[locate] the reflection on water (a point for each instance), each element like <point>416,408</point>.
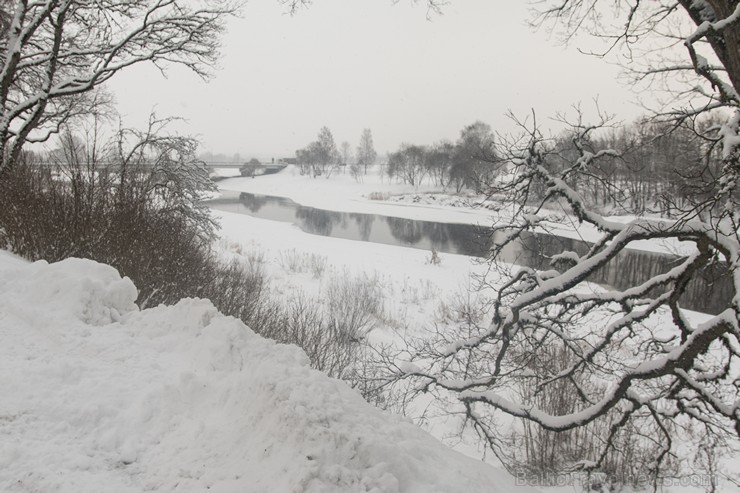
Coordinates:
<point>364,224</point>
<point>709,293</point>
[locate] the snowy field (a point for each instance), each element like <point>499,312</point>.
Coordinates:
<point>99,396</point>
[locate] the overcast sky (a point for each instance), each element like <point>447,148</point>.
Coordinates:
<point>354,64</point>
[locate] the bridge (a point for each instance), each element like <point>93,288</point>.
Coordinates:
<point>267,167</point>
<point>249,169</point>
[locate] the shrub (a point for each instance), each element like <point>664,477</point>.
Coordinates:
<point>141,215</point>
<point>354,304</point>
<point>240,290</point>
<point>378,196</point>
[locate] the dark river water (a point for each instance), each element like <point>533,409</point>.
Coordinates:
<point>709,293</point>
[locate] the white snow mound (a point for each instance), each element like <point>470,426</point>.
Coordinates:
<point>100,397</point>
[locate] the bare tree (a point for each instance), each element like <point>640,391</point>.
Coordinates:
<point>54,53</point>
<point>434,7</point>
<point>321,155</point>
<point>408,164</point>
<point>473,153</point>
<point>630,360</point>
<point>155,166</point>
<point>346,153</point>
<point>366,154</point>
<point>439,162</point>
<point>652,41</point>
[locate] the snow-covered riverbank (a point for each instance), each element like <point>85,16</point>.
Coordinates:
<point>377,194</point>
<point>415,291</point>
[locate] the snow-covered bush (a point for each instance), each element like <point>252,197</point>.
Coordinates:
<point>535,450</point>
<point>318,265</point>
<point>378,196</point>
<point>135,206</point>
<point>354,304</point>
<point>240,290</point>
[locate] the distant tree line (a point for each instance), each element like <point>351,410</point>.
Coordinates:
<point>321,157</point>
<point>464,164</point>
<point>661,168</point>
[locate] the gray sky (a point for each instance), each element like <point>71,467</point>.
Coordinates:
<point>354,64</point>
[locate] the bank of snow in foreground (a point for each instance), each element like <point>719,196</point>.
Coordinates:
<point>99,396</point>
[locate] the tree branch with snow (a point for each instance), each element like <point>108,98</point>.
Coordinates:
<point>621,356</point>
<point>54,53</point>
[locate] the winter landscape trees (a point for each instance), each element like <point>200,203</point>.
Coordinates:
<point>54,54</point>
<point>633,365</point>
<point>366,154</point>
<point>610,381</point>
<point>466,164</point>
<point>321,156</point>
<point>131,199</point>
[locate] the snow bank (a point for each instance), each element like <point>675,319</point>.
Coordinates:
<point>98,396</point>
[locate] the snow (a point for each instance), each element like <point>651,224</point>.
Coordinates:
<point>99,396</point>
<point>401,273</point>
<point>341,192</point>
<point>223,173</point>
<point>255,234</point>
<point>567,256</point>
<point>425,202</point>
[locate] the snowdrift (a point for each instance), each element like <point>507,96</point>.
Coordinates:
<point>98,396</point>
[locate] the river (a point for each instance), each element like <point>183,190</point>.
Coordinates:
<point>708,293</point>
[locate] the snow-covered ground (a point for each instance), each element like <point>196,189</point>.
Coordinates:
<point>414,290</point>
<point>218,174</point>
<point>99,396</point>
<point>377,194</point>
<point>341,192</point>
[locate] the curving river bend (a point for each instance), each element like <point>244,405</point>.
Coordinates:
<point>708,293</point>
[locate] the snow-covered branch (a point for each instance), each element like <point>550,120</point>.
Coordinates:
<point>55,52</point>
<point>611,357</point>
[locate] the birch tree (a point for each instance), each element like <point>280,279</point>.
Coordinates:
<point>366,154</point>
